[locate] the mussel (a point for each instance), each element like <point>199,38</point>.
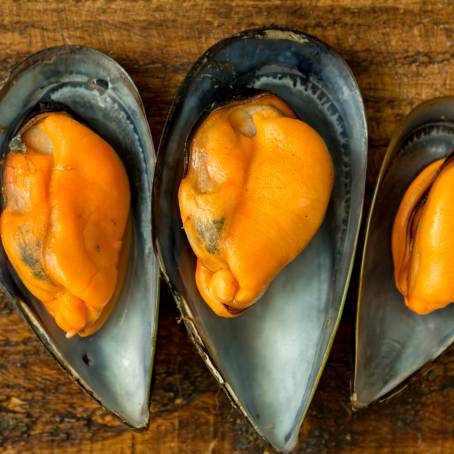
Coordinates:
<point>54,102</point>
<point>392,340</point>
<point>270,358</point>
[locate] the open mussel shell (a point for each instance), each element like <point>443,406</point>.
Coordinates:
<point>114,365</point>
<point>270,359</point>
<point>392,342</point>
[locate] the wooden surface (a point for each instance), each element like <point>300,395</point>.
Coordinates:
<point>401,52</point>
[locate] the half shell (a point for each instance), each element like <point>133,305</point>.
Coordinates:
<point>114,365</point>
<point>270,359</point>
<point>392,342</point>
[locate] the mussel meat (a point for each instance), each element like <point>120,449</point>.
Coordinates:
<point>66,195</point>
<point>423,241</point>
<point>258,183</point>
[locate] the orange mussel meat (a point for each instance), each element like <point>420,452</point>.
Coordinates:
<point>256,191</point>
<point>423,240</point>
<point>64,220</point>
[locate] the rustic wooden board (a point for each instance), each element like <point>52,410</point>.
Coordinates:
<point>402,52</point>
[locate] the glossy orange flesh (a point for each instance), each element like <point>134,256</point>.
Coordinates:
<point>62,228</point>
<point>256,191</point>
<point>423,240</point>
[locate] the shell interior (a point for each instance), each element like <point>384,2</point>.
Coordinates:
<point>114,364</point>
<point>392,341</point>
<point>269,359</point>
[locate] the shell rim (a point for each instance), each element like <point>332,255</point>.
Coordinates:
<point>57,51</point>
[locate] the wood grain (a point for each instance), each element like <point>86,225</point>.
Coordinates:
<point>401,53</point>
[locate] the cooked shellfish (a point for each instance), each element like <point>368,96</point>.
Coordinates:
<point>392,341</point>
<point>269,360</point>
<point>114,365</point>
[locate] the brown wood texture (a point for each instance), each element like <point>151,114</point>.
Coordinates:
<point>402,52</point>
